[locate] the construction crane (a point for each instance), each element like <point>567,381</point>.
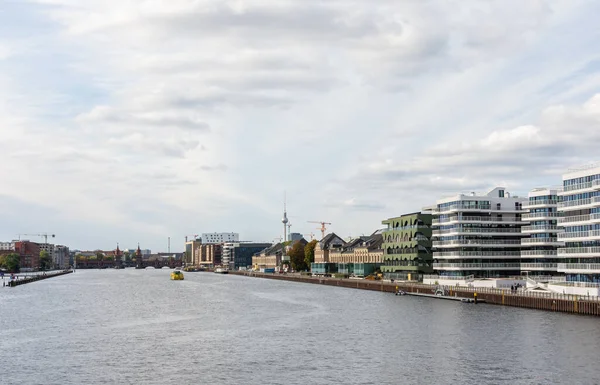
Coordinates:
<point>45,235</point>
<point>323,228</point>
<point>191,235</point>
<point>312,236</point>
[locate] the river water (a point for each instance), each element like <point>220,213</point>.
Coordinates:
<point>139,327</point>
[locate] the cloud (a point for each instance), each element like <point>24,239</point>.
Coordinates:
<point>194,115</point>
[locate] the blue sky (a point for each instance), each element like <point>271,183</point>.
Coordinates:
<point>137,121</point>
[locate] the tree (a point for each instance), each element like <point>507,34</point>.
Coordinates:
<point>45,260</point>
<point>99,256</point>
<point>12,262</point>
<point>296,254</point>
<point>309,252</point>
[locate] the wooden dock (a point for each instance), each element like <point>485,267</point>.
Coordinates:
<point>447,297</point>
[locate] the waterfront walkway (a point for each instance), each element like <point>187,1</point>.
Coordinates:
<point>24,278</point>
<point>589,305</point>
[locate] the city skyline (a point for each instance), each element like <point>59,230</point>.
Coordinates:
<point>170,119</point>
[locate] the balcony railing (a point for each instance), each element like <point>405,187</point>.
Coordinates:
<point>575,218</point>
<point>572,267</point>
<point>540,228</point>
<point>492,219</point>
<point>580,202</point>
<point>578,186</point>
<point>477,230</point>
<point>541,202</point>
<point>539,266</point>
<point>461,208</point>
<point>541,215</point>
<point>579,234</point>
<point>589,252</point>
<point>477,266</point>
<point>476,254</point>
<point>467,242</point>
<point>533,241</point>
<point>541,253</point>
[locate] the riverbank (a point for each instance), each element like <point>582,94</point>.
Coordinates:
<point>35,278</point>
<point>565,303</point>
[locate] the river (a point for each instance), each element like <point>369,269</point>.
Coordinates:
<point>139,327</point>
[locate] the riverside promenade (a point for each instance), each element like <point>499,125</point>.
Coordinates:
<point>566,303</point>
<point>35,278</point>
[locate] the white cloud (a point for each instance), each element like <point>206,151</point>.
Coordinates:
<point>182,116</point>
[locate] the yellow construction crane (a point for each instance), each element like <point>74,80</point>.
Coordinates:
<point>45,235</point>
<point>323,228</point>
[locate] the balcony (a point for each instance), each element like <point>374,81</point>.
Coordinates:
<point>540,229</point>
<point>540,203</point>
<point>486,231</point>
<point>546,241</point>
<point>476,266</point>
<point>578,268</point>
<point>579,252</point>
<point>538,253</point>
<point>477,254</point>
<point>477,219</point>
<point>577,188</point>
<point>461,207</point>
<point>539,266</point>
<point>579,204</point>
<point>575,219</point>
<point>478,243</point>
<point>541,216</point>
<point>579,236</point>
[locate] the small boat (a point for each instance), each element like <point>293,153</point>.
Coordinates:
<point>220,270</point>
<point>177,275</point>
<point>400,292</point>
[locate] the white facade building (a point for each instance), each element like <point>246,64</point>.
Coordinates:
<point>580,206</point>
<point>227,252</point>
<point>539,248</point>
<point>7,245</point>
<point>60,257</point>
<point>478,235</point>
<point>220,237</point>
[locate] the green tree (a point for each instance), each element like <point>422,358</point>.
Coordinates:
<point>309,252</point>
<point>296,254</point>
<point>12,262</point>
<point>2,260</point>
<point>45,260</point>
<point>99,256</point>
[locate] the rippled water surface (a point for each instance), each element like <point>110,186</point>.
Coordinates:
<point>139,327</point>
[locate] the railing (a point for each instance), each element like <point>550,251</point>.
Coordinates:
<point>540,228</point>
<point>576,218</point>
<point>476,219</point>
<point>568,251</point>
<point>537,252</point>
<point>579,202</point>
<point>541,202</point>
<point>478,230</point>
<point>476,254</point>
<point>476,265</point>
<point>578,266</point>
<point>578,186</point>
<point>461,207</point>
<point>412,227</point>
<point>529,241</point>
<point>468,278</point>
<point>467,242</point>
<point>545,266</point>
<point>579,234</point>
<point>541,215</point>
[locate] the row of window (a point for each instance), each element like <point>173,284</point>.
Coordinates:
<point>583,179</point>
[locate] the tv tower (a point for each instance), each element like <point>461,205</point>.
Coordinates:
<point>284,220</point>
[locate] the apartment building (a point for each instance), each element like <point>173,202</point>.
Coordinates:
<point>580,208</point>
<point>478,235</point>
<point>220,237</point>
<point>407,246</point>
<point>540,230</point>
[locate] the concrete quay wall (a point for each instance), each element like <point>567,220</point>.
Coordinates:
<point>37,277</point>
<point>566,303</point>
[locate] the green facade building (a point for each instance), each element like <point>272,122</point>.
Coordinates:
<point>407,246</point>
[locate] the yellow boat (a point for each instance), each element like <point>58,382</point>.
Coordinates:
<point>177,275</point>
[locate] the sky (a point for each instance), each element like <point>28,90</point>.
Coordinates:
<point>136,121</point>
